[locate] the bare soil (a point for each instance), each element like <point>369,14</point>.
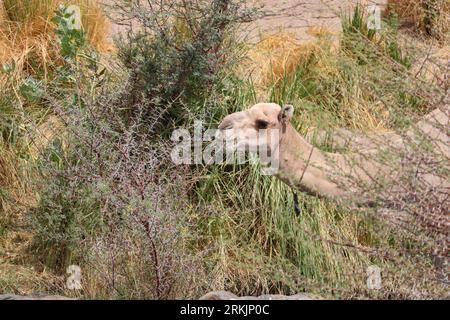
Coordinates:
<point>294,16</point>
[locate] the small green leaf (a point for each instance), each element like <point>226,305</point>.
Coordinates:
<point>32,90</point>
<point>9,68</point>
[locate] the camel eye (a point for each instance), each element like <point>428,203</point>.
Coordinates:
<point>261,124</point>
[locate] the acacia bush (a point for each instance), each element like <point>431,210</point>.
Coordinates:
<point>107,184</point>
<point>178,53</point>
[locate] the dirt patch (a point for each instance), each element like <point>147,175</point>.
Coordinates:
<point>298,16</point>
<point>293,16</point>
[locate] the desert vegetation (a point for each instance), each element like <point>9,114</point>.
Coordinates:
<point>86,176</point>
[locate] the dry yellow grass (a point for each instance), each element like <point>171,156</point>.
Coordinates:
<point>26,32</point>
<point>24,12</point>
<point>276,56</point>
<point>414,12</point>
<point>280,55</point>
<point>16,190</point>
<point>20,272</point>
<point>14,185</point>
<point>27,39</point>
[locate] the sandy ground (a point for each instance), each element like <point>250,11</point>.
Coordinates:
<point>295,16</point>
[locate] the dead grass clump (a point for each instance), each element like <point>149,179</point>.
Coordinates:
<point>27,37</point>
<point>31,47</point>
<point>15,189</point>
<point>26,280</point>
<point>429,16</point>
<point>278,55</point>
<point>314,75</point>
<point>95,23</point>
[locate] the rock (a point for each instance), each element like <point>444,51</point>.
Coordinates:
<point>33,297</point>
<point>225,295</point>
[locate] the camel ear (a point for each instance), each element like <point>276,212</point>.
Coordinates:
<point>286,113</point>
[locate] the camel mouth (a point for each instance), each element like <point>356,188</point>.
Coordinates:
<point>225,126</point>
<point>222,133</point>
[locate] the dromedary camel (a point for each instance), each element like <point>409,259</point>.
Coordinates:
<point>305,167</point>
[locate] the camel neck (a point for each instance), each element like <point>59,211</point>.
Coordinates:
<point>296,152</point>
<point>305,167</point>
<point>291,137</point>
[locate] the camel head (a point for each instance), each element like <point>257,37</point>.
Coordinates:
<point>293,160</point>
<point>260,126</point>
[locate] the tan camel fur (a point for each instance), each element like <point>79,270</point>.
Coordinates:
<point>303,166</point>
